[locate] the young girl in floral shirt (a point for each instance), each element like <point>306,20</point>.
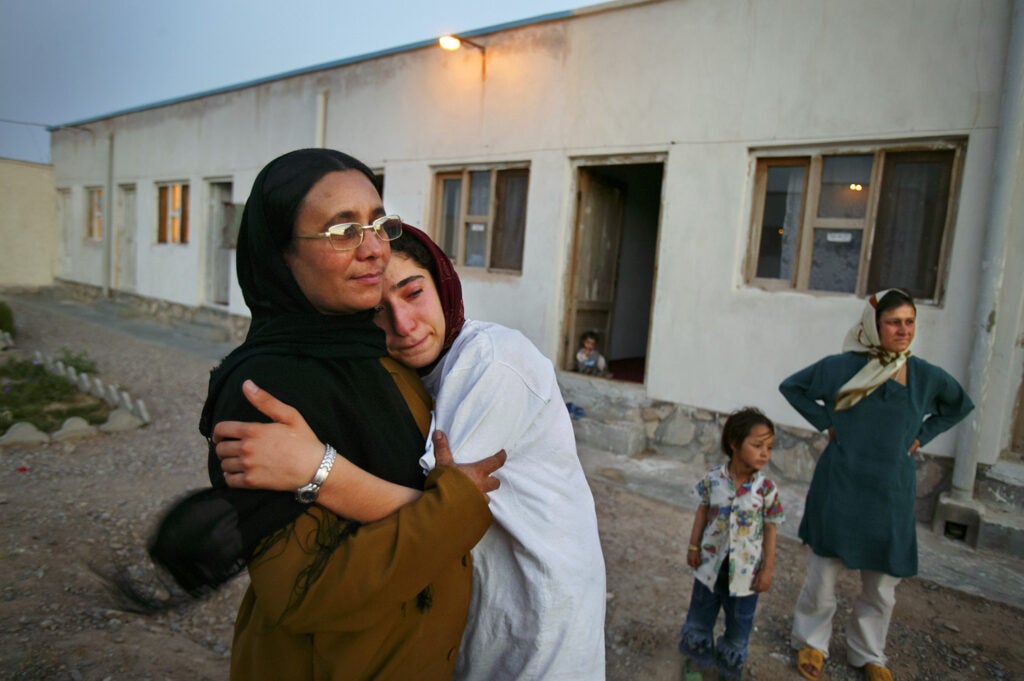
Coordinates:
<point>732,545</point>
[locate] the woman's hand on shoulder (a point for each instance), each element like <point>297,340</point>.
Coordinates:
<point>282,455</point>
<point>480,472</point>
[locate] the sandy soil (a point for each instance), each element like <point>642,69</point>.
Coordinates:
<point>78,508</point>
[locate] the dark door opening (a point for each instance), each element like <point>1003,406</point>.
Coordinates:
<point>614,258</point>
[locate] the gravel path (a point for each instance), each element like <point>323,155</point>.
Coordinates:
<point>69,506</point>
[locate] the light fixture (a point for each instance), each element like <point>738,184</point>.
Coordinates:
<point>451,43</point>
<point>857,187</point>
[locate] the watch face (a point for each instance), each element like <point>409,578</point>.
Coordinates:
<point>307,494</point>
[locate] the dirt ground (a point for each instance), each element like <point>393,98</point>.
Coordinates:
<point>72,509</point>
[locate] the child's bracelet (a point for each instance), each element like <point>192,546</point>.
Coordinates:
<point>694,547</point>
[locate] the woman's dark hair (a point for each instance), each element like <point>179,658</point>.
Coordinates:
<point>890,301</point>
<point>738,426</point>
<point>290,177</point>
<point>417,252</point>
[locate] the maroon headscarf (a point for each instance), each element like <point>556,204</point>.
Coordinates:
<point>449,288</point>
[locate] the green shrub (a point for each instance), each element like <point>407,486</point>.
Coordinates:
<point>79,361</point>
<point>28,392</point>
<point>6,318</point>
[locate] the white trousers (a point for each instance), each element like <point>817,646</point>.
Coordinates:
<point>872,610</point>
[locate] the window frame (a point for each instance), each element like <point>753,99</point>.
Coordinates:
<point>165,235</point>
<point>463,174</point>
<point>812,158</point>
<point>94,213</point>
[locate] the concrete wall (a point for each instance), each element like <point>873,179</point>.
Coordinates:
<point>700,82</point>
<point>28,257</point>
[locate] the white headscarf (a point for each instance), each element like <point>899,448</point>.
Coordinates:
<point>863,337</point>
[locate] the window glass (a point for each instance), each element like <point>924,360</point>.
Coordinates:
<point>836,259</point>
<point>172,214</point>
<point>479,192</point>
<point>911,219</point>
<point>95,226</point>
<point>480,216</point>
<point>451,193</point>
<point>845,182</point>
<point>780,223</point>
<point>476,244</point>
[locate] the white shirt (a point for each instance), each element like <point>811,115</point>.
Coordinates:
<point>538,600</point>
<point>735,527</point>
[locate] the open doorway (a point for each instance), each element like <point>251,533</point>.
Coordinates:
<point>618,212</point>
<point>125,230</point>
<point>223,221</point>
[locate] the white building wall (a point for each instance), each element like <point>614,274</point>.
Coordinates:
<point>701,82</point>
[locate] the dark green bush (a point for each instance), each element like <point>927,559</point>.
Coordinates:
<point>6,318</point>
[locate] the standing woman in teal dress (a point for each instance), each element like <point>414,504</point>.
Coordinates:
<point>879,404</point>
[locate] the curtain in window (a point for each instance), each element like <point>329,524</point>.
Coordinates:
<point>911,216</point>
<point>509,220</point>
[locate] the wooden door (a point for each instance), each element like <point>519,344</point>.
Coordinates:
<point>598,234</point>
<point>124,241</point>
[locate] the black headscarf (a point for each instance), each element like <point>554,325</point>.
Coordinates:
<point>326,366</point>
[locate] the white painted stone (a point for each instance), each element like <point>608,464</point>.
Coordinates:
<point>23,433</point>
<point>121,420</point>
<point>141,411</point>
<point>74,428</point>
<point>97,388</point>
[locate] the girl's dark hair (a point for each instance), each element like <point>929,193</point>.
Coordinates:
<point>289,179</point>
<point>418,253</point>
<point>738,426</point>
<point>890,301</point>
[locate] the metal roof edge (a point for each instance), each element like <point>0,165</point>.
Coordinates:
<point>539,19</point>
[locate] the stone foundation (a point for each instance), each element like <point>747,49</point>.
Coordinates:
<point>211,323</point>
<point>620,418</point>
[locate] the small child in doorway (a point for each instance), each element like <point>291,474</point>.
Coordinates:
<point>732,546</point>
<point>588,359</point>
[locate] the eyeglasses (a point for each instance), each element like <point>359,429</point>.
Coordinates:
<point>349,235</point>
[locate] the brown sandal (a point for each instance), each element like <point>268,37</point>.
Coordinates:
<point>876,672</point>
<point>809,662</point>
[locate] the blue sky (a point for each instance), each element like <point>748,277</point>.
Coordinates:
<point>67,60</point>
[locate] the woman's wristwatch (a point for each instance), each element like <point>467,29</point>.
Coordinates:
<point>307,494</point>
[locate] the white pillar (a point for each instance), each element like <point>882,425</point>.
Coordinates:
<point>995,368</point>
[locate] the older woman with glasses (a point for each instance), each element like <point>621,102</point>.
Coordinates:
<point>538,604</point>
<point>329,598</point>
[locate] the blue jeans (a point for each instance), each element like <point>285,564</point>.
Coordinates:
<point>696,639</point>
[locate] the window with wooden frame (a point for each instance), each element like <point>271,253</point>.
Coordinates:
<point>172,214</point>
<point>480,215</point>
<point>94,217</point>
<point>856,220</point>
